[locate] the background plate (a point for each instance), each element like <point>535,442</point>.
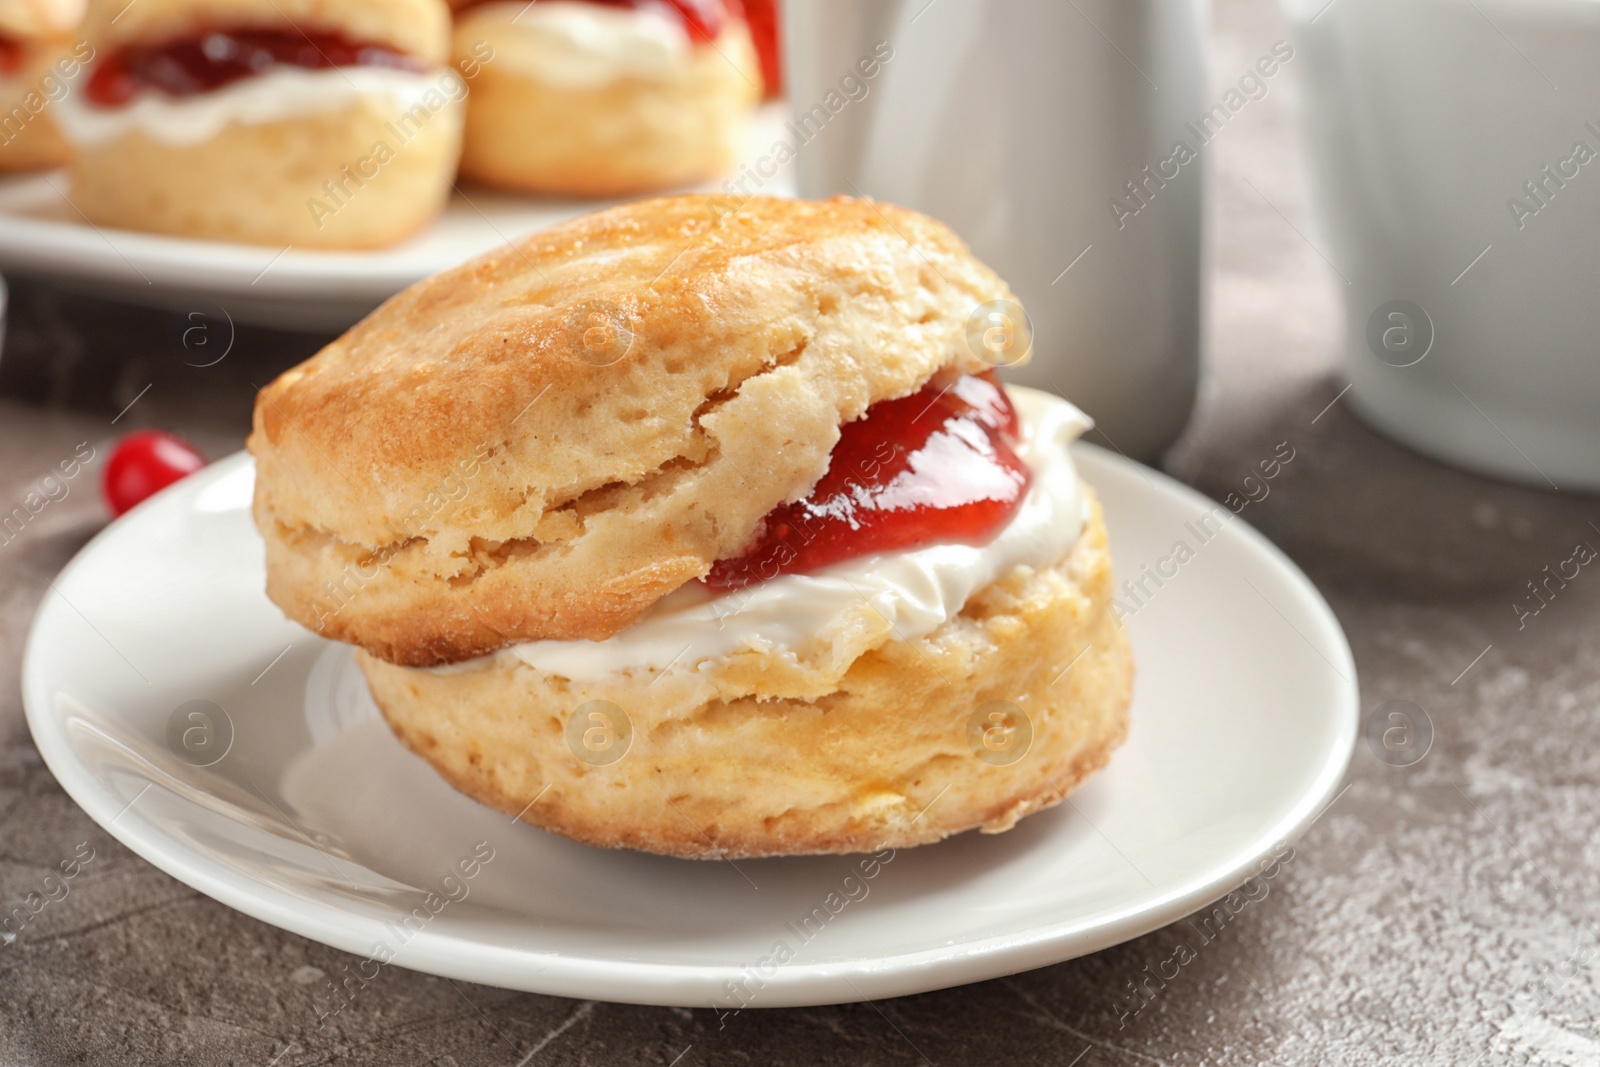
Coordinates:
<point>318,821</point>
<point>42,234</point>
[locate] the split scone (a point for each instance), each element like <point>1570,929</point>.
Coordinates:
<point>706,534</point>
<point>317,123</point>
<point>600,98</point>
<point>38,59</point>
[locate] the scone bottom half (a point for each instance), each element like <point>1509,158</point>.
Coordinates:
<point>997,714</point>
<point>542,444</point>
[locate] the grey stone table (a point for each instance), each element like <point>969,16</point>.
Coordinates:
<point>1439,913</point>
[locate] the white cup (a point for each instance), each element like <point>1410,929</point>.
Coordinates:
<point>1458,161</point>
<point>1021,123</point>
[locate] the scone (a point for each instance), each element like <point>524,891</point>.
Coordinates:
<point>707,534</point>
<point>315,123</point>
<point>38,59</point>
<point>601,99</point>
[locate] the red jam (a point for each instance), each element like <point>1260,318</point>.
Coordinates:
<point>939,465</point>
<point>11,52</point>
<point>207,61</point>
<point>762,15</point>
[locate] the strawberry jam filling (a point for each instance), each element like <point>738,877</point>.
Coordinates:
<point>11,53</point>
<point>938,465</point>
<point>703,19</point>
<point>762,18</point>
<point>205,61</point>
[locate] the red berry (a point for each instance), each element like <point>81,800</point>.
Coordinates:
<point>144,463</point>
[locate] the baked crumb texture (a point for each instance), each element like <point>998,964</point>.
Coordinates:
<point>753,756</point>
<point>627,138</point>
<point>364,175</point>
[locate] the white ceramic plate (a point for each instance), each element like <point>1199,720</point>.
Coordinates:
<point>43,235</point>
<point>318,821</point>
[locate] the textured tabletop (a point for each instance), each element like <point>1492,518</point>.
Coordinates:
<point>1437,913</point>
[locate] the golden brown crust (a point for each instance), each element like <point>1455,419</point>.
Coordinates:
<point>266,184</point>
<point>624,139</point>
<point>543,442</point>
<point>26,20</point>
<point>29,136</point>
<point>888,758</point>
<point>420,28</point>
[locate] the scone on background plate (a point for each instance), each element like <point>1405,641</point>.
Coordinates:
<point>316,123</point>
<point>38,58</point>
<point>603,99</point>
<point>707,534</point>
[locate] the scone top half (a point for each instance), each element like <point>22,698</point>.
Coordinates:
<point>417,28</point>
<point>23,21</point>
<point>545,441</point>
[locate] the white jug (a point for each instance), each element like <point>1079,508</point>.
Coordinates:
<point>1046,134</point>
